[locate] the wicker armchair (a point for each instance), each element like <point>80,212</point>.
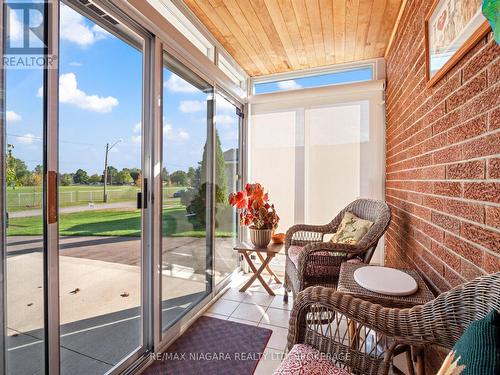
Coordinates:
<point>382,332</point>
<point>310,261</point>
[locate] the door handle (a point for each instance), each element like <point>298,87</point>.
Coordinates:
<point>142,201</point>
<point>139,199</point>
<point>52,197</point>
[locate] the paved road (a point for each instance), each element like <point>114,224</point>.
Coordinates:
<point>71,209</point>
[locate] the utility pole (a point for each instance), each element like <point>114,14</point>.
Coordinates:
<point>105,195</point>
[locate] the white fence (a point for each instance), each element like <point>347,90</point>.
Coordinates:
<point>74,197</point>
<point>70,197</point>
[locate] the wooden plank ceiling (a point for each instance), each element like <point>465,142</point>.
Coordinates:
<point>272,36</point>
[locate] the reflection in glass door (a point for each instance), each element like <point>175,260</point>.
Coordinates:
<point>186,242</point>
<point>227,180</point>
<point>23,181</point>
<point>100,167</point>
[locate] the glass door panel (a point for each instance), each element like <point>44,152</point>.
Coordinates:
<point>186,242</point>
<point>24,265</point>
<point>100,226</point>
<point>227,180</point>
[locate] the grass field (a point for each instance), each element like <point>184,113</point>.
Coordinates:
<point>125,223</point>
<point>29,197</point>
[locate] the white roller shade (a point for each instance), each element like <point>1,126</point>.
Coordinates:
<point>316,150</point>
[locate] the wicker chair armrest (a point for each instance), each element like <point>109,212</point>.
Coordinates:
<point>346,251</point>
<point>403,325</point>
<point>308,233</point>
<point>333,247</point>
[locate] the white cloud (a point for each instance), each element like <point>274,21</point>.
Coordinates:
<point>175,135</point>
<point>167,130</point>
<point>136,139</point>
<point>183,135</point>
<point>15,27</point>
<point>223,106</point>
<point>175,83</point>
<point>137,127</point>
<point>75,63</point>
<point>289,85</point>
<point>74,29</point>
<point>225,120</point>
<point>71,94</point>
<point>26,139</point>
<point>189,106</point>
<point>12,116</point>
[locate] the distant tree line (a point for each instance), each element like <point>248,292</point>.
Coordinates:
<point>19,175</point>
<point>127,176</point>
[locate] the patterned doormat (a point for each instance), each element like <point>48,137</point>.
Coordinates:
<point>213,347</point>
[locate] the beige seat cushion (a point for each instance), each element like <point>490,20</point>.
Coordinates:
<point>351,229</point>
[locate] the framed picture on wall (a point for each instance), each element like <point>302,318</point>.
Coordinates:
<point>452,27</point>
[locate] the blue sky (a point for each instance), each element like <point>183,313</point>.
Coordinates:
<point>101,101</point>
<point>362,74</point>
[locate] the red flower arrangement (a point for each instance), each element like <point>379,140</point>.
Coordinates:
<point>256,210</point>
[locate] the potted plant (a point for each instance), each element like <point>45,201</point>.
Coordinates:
<point>256,212</point>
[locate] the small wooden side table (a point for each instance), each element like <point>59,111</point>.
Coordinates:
<point>270,251</point>
<point>348,285</point>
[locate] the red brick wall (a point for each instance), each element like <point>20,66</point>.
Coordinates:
<point>443,159</point>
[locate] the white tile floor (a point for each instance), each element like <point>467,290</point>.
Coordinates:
<point>257,308</point>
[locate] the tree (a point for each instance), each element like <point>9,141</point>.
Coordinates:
<point>164,175</point>
<point>66,179</point>
<point>11,173</point>
<point>32,179</point>
<point>112,172</point>
<point>135,173</point>
<point>191,173</point>
<point>16,169</point>
<point>220,171</point>
<point>123,178</point>
<point>138,182</point>
<point>199,186</point>
<point>179,178</point>
<point>38,169</point>
<point>81,177</point>
<point>95,179</point>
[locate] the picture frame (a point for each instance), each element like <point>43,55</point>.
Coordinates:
<point>452,28</point>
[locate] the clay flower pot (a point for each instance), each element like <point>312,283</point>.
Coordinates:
<point>260,237</point>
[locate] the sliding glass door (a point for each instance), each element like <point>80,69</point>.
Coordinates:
<point>101,180</point>
<point>85,225</point>
<point>186,191</point>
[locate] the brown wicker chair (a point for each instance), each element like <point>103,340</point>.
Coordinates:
<point>318,262</point>
<point>382,332</point>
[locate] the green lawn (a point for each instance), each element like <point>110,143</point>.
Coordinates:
<point>112,223</point>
